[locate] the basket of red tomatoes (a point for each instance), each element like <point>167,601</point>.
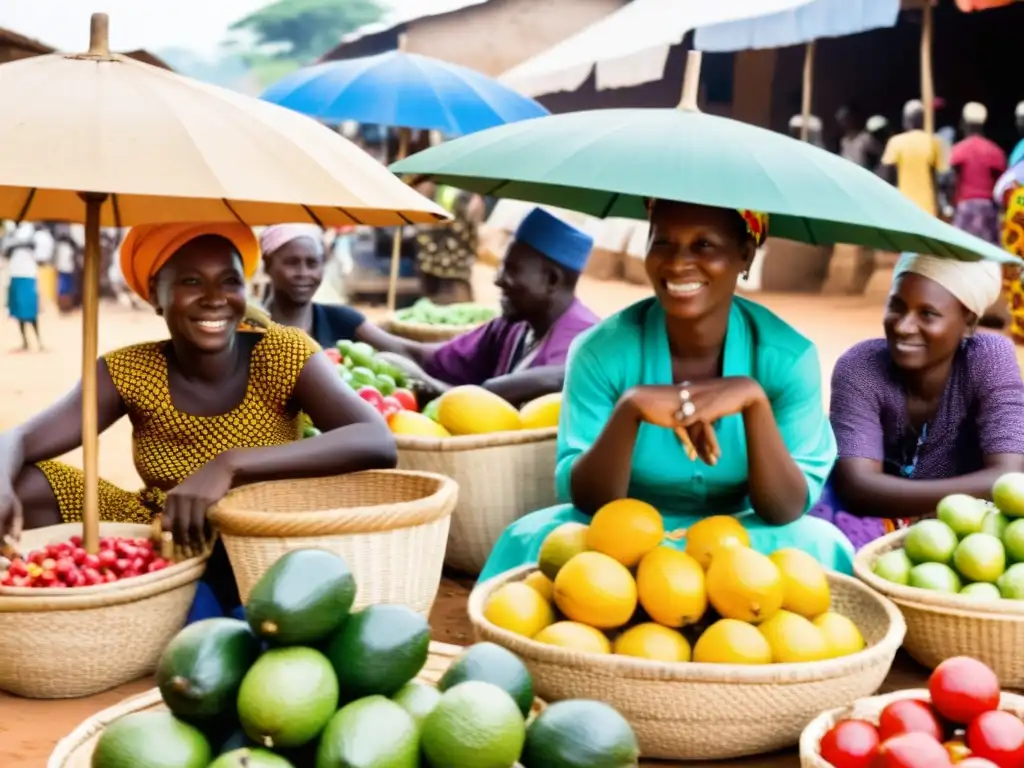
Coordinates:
<point>74,623</point>
<point>962,719</point>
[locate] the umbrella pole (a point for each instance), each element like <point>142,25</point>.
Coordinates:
<point>90,353</point>
<point>691,82</point>
<point>396,247</point>
<point>808,89</point>
<point>927,81</point>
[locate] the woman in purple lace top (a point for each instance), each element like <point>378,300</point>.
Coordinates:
<point>930,410</point>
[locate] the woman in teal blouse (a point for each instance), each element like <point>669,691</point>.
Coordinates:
<point>696,401</point>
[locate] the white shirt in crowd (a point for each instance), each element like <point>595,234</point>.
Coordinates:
<point>64,257</point>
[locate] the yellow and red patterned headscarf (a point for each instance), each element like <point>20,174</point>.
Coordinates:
<point>757,224</point>
<point>755,221</point>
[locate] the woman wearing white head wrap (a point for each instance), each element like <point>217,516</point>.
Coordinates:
<point>931,410</point>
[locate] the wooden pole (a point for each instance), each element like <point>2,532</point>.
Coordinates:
<point>99,35</point>
<point>691,82</point>
<point>396,246</point>
<point>927,81</point>
<point>90,397</point>
<point>808,90</point>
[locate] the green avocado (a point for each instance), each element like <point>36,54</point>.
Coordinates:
<point>580,734</point>
<point>201,669</point>
<point>490,663</point>
<point>378,650</point>
<point>154,739</point>
<point>304,597</point>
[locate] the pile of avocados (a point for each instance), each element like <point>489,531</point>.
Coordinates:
<point>306,682</point>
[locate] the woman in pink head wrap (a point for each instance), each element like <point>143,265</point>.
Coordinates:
<point>293,256</point>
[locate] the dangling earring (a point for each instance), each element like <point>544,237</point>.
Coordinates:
<point>745,274</point>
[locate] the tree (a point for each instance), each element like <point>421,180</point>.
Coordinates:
<point>304,29</point>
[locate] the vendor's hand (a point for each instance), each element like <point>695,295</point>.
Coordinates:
<point>185,511</point>
<point>660,406</point>
<point>715,399</point>
<point>11,516</point>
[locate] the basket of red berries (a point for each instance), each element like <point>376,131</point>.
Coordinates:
<point>962,720</point>
<point>74,623</point>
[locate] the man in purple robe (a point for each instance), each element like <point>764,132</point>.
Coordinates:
<point>520,355</point>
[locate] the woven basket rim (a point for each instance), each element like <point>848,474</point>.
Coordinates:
<point>923,599</point>
<point>810,737</point>
<point>457,443</point>
<point>656,671</point>
<point>106,595</point>
<point>102,589</point>
<point>374,518</point>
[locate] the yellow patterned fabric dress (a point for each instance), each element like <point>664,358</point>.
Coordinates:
<point>169,445</point>
<point>1013,241</point>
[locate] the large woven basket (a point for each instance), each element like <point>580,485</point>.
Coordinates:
<point>941,625</point>
<point>501,477</point>
<point>869,709</point>
<point>391,526</point>
<point>75,750</point>
<point>427,333</point>
<point>67,643</point>
<point>695,711</point>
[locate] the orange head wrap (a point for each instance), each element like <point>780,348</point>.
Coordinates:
<point>149,246</point>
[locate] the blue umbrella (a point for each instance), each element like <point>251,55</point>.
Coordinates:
<point>405,90</point>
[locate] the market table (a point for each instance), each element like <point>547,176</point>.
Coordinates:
<point>29,729</point>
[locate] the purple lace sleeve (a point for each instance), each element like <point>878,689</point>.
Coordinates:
<point>859,382</point>
<point>999,393</point>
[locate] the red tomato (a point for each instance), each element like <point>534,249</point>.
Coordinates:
<point>962,688</point>
<point>406,398</point>
<point>999,737</point>
<point>912,750</point>
<point>850,744</point>
<point>908,716</point>
<point>372,396</point>
<point>333,355</point>
<point>389,406</point>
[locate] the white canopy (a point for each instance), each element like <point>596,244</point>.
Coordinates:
<point>631,46</point>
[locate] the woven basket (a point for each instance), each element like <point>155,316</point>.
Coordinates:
<point>427,333</point>
<point>941,625</point>
<point>710,711</point>
<point>501,477</point>
<point>390,526</point>
<point>869,709</point>
<point>67,643</point>
<point>75,750</point>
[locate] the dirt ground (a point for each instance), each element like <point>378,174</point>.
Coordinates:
<point>30,382</point>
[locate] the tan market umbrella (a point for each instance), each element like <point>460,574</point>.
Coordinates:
<point>105,140</point>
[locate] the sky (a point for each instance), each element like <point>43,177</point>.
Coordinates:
<point>152,24</point>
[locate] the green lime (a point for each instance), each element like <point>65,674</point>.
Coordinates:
<point>936,577</point>
<point>287,697</point>
<point>980,557</point>
<point>963,513</point>
<point>373,732</point>
<point>1013,540</point>
<point>155,739</point>
<point>1011,583</point>
<point>490,663</point>
<point>474,725</point>
<point>981,591</point>
<point>930,541</point>
<point>893,566</point>
<point>995,523</point>
<point>250,758</point>
<point>418,699</point>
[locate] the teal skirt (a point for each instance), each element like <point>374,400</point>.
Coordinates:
<point>520,543</point>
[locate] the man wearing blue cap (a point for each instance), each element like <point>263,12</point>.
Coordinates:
<point>520,355</point>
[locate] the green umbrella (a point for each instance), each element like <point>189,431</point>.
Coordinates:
<point>607,162</point>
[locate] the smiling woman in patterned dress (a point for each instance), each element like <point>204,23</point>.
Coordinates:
<point>931,410</point>
<point>214,406</point>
